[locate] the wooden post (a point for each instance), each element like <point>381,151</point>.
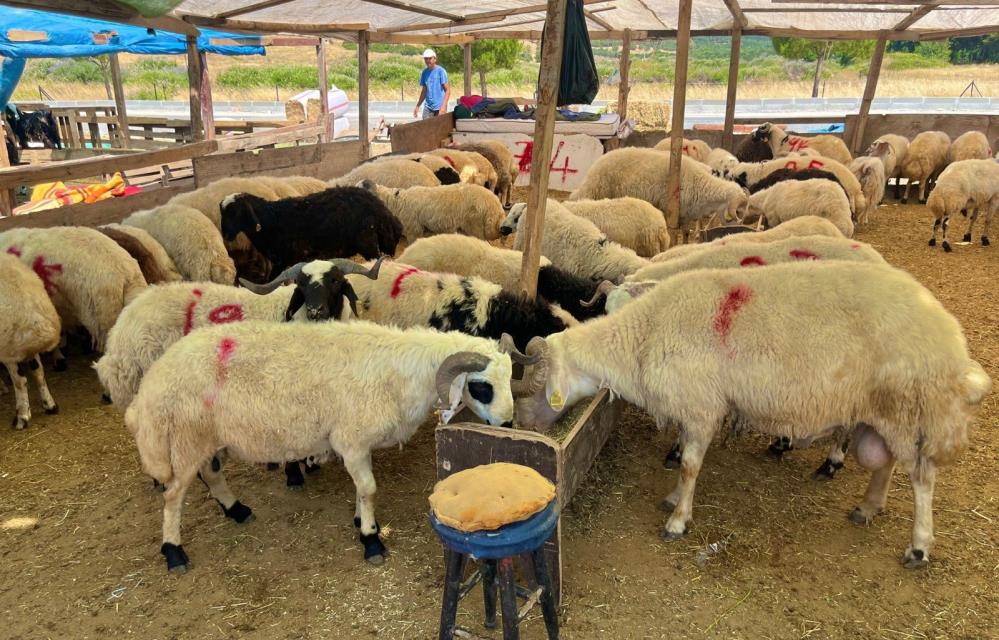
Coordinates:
<point>202,113</point>
<point>124,139</point>
<point>625,66</point>
<point>869,89</point>
<point>362,94</point>
<point>467,51</point>
<point>676,131</point>
<point>324,92</point>
<point>544,132</point>
<point>733,83</point>
<point>7,198</point>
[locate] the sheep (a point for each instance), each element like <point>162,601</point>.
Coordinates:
<point>893,161</point>
<point>243,384</point>
<point>454,253</point>
<point>970,145</point>
<point>191,240</point>
<point>801,226</point>
<point>870,172</point>
<point>689,351</point>
<point>792,199</point>
<point>781,175</point>
<point>442,170</point>
<point>155,264</point>
<point>29,326</point>
<point>925,158</point>
<point>405,296</point>
<point>965,185</point>
<point>575,244</point>
<point>206,199</point>
<point>392,172</point>
<point>782,144</point>
<point>86,274</point>
<point>642,173</point>
<point>457,208</point>
<point>501,159</point>
<point>754,148</point>
<point>336,223</point>
<point>630,222</point>
<point>696,149</point>
<point>719,160</point>
<point>472,167</point>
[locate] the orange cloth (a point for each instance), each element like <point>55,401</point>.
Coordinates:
<point>56,194</point>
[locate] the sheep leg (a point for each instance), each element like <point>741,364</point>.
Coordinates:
<point>943,226</point>
<point>232,508</point>
<point>834,460</point>
<point>38,373</point>
<point>58,357</point>
<point>922,191</point>
<point>359,468</point>
<point>922,475</point>
<point>876,495</point>
<point>173,502</point>
<point>933,238</point>
<point>971,225</point>
<point>295,481</point>
<point>22,416</point>
<point>683,495</point>
<point>985,230</point>
<point>905,194</point>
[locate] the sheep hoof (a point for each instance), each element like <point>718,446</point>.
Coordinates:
<point>670,536</point>
<point>933,242</point>
<point>158,486</point>
<point>857,517</point>
<point>374,550</point>
<point>177,561</point>
<point>827,470</point>
<point>53,410</point>
<point>985,241</point>
<point>946,246</point>
<point>239,512</point>
<point>60,364</point>
<point>296,487</point>
<point>966,238</point>
<point>667,506</point>
<point>905,201</point>
<point>105,398</point>
<point>357,522</point>
<point>778,448</point>
<point>915,558</point>
<point>20,423</point>
<point>312,468</point>
<point>273,466</point>
<point>673,458</point>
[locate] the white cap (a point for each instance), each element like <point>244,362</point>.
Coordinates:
<point>429,53</point>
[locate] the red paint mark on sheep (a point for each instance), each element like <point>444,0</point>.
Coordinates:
<point>450,162</point>
<point>397,283</point>
<point>803,254</point>
<point>752,261</point>
<point>226,313</point>
<point>816,164</point>
<point>14,251</point>
<point>855,245</point>
<point>189,312</point>
<point>46,272</point>
<point>223,355</point>
<point>797,143</point>
<point>792,165</point>
<point>686,150</point>
<point>734,300</point>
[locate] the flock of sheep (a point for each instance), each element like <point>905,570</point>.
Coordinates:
<point>318,355</point>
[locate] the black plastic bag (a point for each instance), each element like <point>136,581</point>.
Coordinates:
<point>578,80</point>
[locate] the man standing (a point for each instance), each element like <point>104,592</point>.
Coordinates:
<point>435,91</point>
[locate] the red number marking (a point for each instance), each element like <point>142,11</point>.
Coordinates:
<point>686,150</point>
<point>797,143</point>
<point>734,300</point>
<point>803,254</point>
<point>450,162</point>
<point>792,165</point>
<point>223,355</point>
<point>189,313</point>
<point>14,251</point>
<point>46,272</point>
<point>855,245</point>
<point>226,313</point>
<point>816,164</point>
<point>753,261</point>
<point>397,284</point>
<point>524,159</point>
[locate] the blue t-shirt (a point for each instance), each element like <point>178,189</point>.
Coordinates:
<point>434,80</point>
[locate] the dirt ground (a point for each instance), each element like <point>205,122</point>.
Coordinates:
<point>80,529</point>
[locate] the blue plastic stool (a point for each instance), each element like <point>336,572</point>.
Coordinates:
<point>496,550</point>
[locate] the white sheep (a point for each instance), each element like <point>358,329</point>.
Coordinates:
<point>968,187</point>
<point>793,198</point>
<point>720,161</point>
<point>696,149</point>
<point>893,161</point>
<point>472,167</point>
<point>507,168</point>
<point>630,222</point>
<point>391,172</point>
<point>801,226</point>
<point>575,244</point>
<point>443,171</point>
<point>870,173</point>
<point>206,199</point>
<point>642,173</point>
<point>455,208</point>
<point>156,265</point>
<point>690,350</point>
<point>235,389</point>
<point>970,145</point>
<point>925,158</point>
<point>191,240</point>
<point>86,274</point>
<point>827,146</point>
<point>29,325</point>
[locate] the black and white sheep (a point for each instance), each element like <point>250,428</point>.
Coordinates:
<point>968,187</point>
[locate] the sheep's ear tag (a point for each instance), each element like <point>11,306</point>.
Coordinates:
<point>556,401</point>
<point>444,416</point>
<point>258,227</point>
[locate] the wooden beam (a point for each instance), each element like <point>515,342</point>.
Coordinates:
<point>916,15</point>
<point>826,10</point>
<point>417,38</point>
<point>200,90</point>
<point>324,93</point>
<point>260,26</point>
<point>7,199</point>
<point>737,13</point>
<point>107,10</point>
<point>250,8</point>
<point>673,185</point>
<point>967,3</point>
<point>597,19</point>
<point>363,96</point>
<point>869,89</point>
<point>623,88</point>
<point>466,50</point>
<point>119,101</point>
<point>496,15</point>
<point>733,84</point>
<point>544,133</point>
<point>460,29</point>
<point>409,6</point>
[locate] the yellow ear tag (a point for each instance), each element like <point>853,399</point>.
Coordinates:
<point>556,402</point>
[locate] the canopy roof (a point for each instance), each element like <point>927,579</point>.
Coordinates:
<point>27,33</point>
<point>464,20</point>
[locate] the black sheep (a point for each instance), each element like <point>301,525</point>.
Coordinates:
<point>781,175</point>
<point>755,147</point>
<point>567,290</point>
<point>335,223</point>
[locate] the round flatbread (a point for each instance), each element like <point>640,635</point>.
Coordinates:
<point>489,496</point>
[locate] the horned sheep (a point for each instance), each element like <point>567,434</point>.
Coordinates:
<point>925,158</point>
<point>688,351</point>
<point>243,384</point>
<point>155,264</point>
<point>191,240</point>
<point>968,187</point>
<point>630,222</point>
<point>457,208</point>
<point>29,326</point>
<point>787,200</point>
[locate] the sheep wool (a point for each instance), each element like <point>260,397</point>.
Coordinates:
<point>156,265</point>
<point>696,149</point>
<point>86,274</point>
<point>207,199</point>
<point>467,256</point>
<point>970,145</point>
<point>191,240</point>
<point>967,187</point>
<point>472,167</point>
<point>925,158</point>
<point>457,208</point>
<point>827,146</point>
<point>391,172</point>
<point>792,199</point>
<point>747,173</point>
<point>870,172</point>
<point>801,226</point>
<point>630,222</point>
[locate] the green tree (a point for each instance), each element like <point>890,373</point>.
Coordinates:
<point>975,50</point>
<point>820,51</point>
<point>487,55</point>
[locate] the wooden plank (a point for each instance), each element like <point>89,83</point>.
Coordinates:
<point>917,14</point>
<point>324,161</point>
<point>207,104</point>
<point>270,27</point>
<point>623,87</point>
<point>324,92</point>
<point>308,131</point>
<point>7,198</point>
<point>250,8</point>
<point>732,89</point>
<point>98,213</point>
<point>874,71</point>
<point>363,95</point>
<point>544,131</point>
<point>737,13</point>
<point>484,17</point>
<point>194,77</point>
<point>964,3</point>
<point>409,6</point>
<point>582,445</point>
<point>467,55</point>
<point>679,102</point>
<point>422,135</point>
<point>13,177</point>
<point>591,15</point>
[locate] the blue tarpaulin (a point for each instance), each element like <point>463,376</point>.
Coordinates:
<point>26,33</point>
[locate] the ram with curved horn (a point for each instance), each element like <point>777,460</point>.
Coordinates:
<point>223,404</point>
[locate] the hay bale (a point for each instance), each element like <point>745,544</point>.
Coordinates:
<point>647,114</point>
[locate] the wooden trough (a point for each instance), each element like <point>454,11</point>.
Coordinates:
<point>564,460</point>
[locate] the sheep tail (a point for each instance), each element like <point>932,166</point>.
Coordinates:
<point>134,285</point>
<point>152,441</point>
<point>976,383</point>
<point>662,239</point>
